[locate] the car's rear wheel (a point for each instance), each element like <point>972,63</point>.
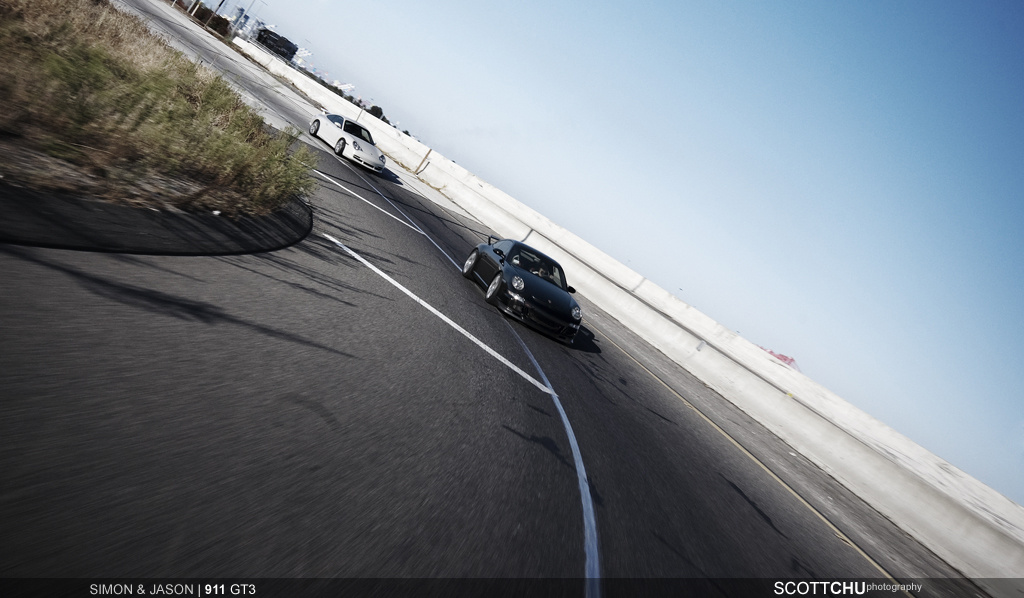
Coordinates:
<point>339,148</point>
<point>467,268</point>
<point>314,127</point>
<point>492,290</point>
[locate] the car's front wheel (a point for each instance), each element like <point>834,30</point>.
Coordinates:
<point>314,127</point>
<point>492,290</point>
<point>467,268</point>
<point>339,148</point>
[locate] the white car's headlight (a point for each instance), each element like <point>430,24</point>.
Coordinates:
<point>382,159</point>
<point>517,283</point>
<point>355,144</point>
<point>577,314</point>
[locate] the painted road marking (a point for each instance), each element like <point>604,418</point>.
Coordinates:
<point>835,530</point>
<point>592,570</point>
<point>370,203</point>
<point>593,565</point>
<point>443,317</point>
<point>420,230</point>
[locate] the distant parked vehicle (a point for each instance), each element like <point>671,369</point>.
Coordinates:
<point>350,140</point>
<point>276,43</point>
<point>527,285</point>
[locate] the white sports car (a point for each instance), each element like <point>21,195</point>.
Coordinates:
<point>350,140</point>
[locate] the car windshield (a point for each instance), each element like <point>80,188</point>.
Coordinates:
<point>538,265</point>
<point>355,130</point>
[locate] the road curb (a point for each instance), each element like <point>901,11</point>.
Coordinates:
<point>42,219</point>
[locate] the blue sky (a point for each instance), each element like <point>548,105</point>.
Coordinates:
<point>842,183</point>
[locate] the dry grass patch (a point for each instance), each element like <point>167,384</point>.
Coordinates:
<point>92,102</point>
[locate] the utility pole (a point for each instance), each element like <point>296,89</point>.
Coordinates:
<point>208,19</point>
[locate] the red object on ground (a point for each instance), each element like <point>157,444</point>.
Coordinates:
<point>784,359</point>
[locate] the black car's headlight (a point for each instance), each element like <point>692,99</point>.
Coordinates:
<point>517,283</point>
<point>577,313</point>
<point>355,144</point>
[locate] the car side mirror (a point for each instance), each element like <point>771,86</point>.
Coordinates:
<point>337,125</point>
<point>570,289</point>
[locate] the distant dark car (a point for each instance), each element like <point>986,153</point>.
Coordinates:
<point>277,44</point>
<point>527,285</point>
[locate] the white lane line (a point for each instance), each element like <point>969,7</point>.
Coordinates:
<point>592,569</point>
<point>593,565</point>
<point>454,263</point>
<point>371,204</point>
<point>443,317</point>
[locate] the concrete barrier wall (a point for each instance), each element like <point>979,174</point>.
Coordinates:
<point>971,526</point>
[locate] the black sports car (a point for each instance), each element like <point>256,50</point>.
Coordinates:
<point>527,285</point>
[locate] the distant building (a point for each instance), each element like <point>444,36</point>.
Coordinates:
<point>243,24</point>
<point>252,27</point>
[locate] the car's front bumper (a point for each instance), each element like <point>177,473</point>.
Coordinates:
<point>374,165</point>
<point>537,317</point>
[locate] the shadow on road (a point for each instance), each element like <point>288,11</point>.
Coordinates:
<point>584,342</point>
<point>546,442</point>
<point>389,176</point>
<point>166,304</point>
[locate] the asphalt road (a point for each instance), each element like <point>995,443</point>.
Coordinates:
<point>295,413</point>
